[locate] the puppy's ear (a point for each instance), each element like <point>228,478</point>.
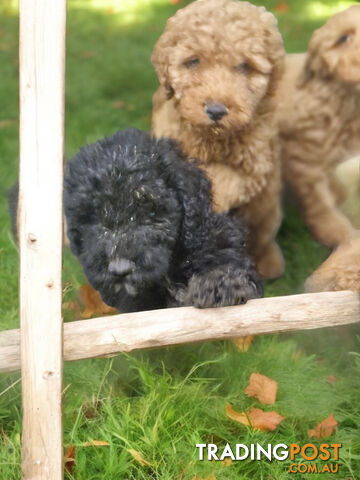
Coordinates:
<point>274,47</point>
<point>315,64</point>
<point>160,61</point>
<point>312,62</point>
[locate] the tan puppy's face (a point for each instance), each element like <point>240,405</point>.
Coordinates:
<point>218,59</point>
<point>335,48</point>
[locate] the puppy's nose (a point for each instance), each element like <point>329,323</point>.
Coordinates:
<point>215,111</point>
<point>121,267</point>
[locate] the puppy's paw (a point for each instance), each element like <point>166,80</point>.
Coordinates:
<point>221,287</point>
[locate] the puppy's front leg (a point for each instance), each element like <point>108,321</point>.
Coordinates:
<point>337,188</point>
<point>318,203</point>
<point>264,215</point>
<point>263,247</point>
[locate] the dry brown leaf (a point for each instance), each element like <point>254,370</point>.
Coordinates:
<point>93,303</point>
<point>226,463</point>
<point>72,306</point>
<point>296,355</point>
<point>91,409</point>
<point>88,54</point>
<point>256,418</point>
<point>4,47</point>
<point>282,7</point>
<point>139,458</point>
<point>324,428</point>
<point>237,416</point>
<point>69,459</point>
<point>118,104</point>
<point>331,379</point>
<point>263,388</point>
<point>7,123</point>
<point>266,421</point>
<point>243,343</point>
<point>96,443</point>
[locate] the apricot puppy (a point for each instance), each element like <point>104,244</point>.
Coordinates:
<point>218,63</point>
<point>319,106</point>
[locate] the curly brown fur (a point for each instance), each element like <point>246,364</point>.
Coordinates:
<point>319,105</point>
<point>226,54</point>
<point>348,174</point>
<point>341,271</point>
<point>139,219</point>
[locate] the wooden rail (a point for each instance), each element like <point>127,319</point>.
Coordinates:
<point>106,336</point>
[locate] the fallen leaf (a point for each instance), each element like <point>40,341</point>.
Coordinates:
<point>296,355</point>
<point>237,416</point>
<point>96,443</point>
<point>282,7</point>
<point>7,123</point>
<point>331,379</point>
<point>93,303</point>
<point>6,46</point>
<point>139,458</point>
<point>69,459</point>
<point>324,428</point>
<point>118,104</point>
<point>256,418</point>
<point>226,463</point>
<point>90,409</point>
<point>72,306</point>
<point>88,54</point>
<point>243,343</point>
<point>263,388</point>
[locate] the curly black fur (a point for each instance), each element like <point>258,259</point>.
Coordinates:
<point>139,219</point>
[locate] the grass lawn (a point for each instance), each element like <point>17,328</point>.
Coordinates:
<point>162,402</point>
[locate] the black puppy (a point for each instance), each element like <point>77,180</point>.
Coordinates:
<point>139,219</point>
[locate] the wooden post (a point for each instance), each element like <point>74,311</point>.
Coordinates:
<point>42,51</point>
<point>106,336</point>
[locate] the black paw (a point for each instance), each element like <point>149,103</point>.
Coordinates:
<point>221,287</point>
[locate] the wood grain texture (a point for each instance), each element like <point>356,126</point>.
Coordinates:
<point>42,50</point>
<point>106,336</point>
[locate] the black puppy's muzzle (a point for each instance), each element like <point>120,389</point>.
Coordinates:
<point>121,267</point>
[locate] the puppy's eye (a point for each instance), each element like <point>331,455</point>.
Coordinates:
<point>343,39</point>
<point>243,67</point>
<point>192,63</point>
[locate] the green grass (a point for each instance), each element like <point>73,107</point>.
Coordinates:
<point>162,402</point>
